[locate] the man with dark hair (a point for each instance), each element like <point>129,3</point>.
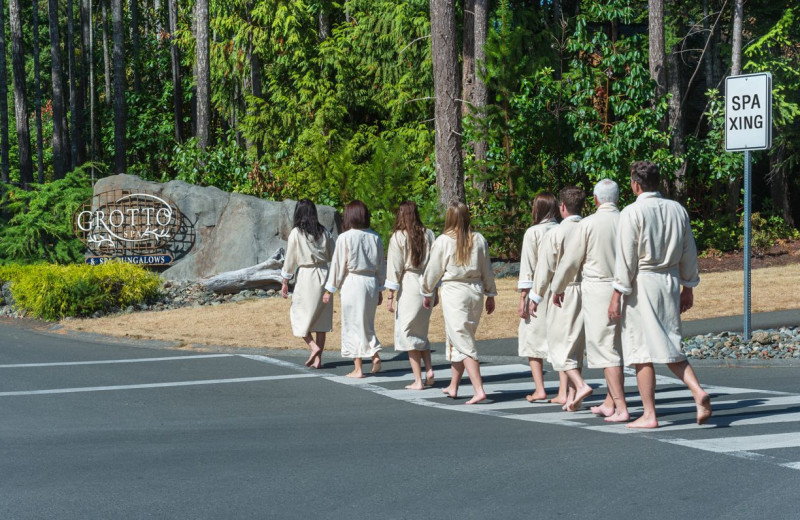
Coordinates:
<point>565,339</point>
<point>656,255</point>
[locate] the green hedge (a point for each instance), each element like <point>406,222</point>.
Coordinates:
<point>52,292</point>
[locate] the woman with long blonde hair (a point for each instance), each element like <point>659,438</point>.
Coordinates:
<point>460,259</point>
<point>409,250</point>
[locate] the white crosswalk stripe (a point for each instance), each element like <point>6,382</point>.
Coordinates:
<point>745,409</point>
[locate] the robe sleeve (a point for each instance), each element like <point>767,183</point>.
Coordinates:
<point>527,262</point>
<point>381,266</point>
<point>571,261</point>
<point>485,264</point>
<point>688,270</point>
<point>395,263</point>
<point>626,265</point>
<point>545,265</point>
<point>434,270</point>
<point>290,261</point>
<point>338,270</point>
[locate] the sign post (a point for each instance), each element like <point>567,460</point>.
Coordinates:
<point>748,127</point>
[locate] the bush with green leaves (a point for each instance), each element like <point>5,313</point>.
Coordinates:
<point>52,292</point>
<point>39,221</point>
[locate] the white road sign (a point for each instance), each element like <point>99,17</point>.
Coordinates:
<point>748,112</point>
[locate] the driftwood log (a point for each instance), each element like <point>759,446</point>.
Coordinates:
<point>260,276</point>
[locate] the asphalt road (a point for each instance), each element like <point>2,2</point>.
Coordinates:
<point>102,429</point>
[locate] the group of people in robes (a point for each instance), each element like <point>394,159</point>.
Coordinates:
<point>609,288</point>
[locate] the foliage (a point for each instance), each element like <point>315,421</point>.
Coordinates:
<point>765,232</point>
<point>52,292</point>
<point>225,165</point>
<point>39,226</point>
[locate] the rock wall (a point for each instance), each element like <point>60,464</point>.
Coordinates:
<point>234,231</point>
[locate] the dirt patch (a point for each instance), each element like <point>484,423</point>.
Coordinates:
<point>785,252</point>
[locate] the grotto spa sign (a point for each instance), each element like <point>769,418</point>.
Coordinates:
<point>139,228</point>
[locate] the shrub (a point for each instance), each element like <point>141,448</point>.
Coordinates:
<point>53,292</point>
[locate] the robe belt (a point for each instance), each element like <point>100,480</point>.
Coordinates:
<point>673,271</point>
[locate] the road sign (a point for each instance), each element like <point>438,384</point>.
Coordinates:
<point>748,112</point>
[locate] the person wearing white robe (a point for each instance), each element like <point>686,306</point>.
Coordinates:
<point>656,255</point>
<point>403,280</point>
<point>309,249</point>
<point>532,330</point>
<point>565,336</point>
<point>358,270</point>
<point>592,252</point>
<point>460,260</point>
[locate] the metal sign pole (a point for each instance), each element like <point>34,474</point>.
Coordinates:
<point>747,209</point>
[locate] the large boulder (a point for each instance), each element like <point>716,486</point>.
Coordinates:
<point>233,231</point>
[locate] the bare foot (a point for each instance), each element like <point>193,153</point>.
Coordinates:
<point>315,352</point>
<point>602,410</point>
<point>429,378</point>
<point>477,398</point>
<point>415,386</point>
<point>449,392</point>
<point>356,374</point>
<point>704,409</point>
<point>376,366</point>
<point>618,417</point>
<point>536,396</point>
<point>580,395</point>
<point>558,400</point>
<point>643,423</point>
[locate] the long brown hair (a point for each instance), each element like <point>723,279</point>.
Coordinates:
<point>544,208</point>
<point>408,220</point>
<point>356,216</point>
<point>456,225</point>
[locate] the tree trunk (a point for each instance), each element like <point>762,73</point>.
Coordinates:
<point>736,38</point>
<point>657,46</point>
<point>59,131</point>
<point>86,93</point>
<point>73,95</point>
<point>137,80</point>
<point>324,22</point>
<point>37,95</point>
<point>481,93</point>
<point>709,57</point>
<point>20,99</point>
<point>120,149</point>
<point>4,143</point>
<point>557,13</point>
<point>676,117</point>
<point>203,74</point>
<point>468,58</point>
<point>106,56</point>
<point>177,93</point>
<point>157,15</point>
<point>446,87</point>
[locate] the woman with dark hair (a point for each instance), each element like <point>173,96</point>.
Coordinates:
<point>533,329</point>
<point>409,249</point>
<point>460,259</point>
<point>309,249</point>
<point>358,269</point>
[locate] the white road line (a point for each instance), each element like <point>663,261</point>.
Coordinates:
<point>113,361</point>
<point>154,385</point>
<point>741,444</point>
<point>791,465</point>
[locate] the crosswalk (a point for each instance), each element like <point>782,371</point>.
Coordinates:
<point>737,428</point>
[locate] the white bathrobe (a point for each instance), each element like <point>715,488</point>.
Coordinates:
<point>358,269</point>
<point>411,318</point>
<point>310,258</point>
<point>592,252</point>
<point>656,255</point>
<point>565,339</point>
<point>462,290</point>
<point>532,331</point>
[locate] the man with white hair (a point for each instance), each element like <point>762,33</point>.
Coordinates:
<point>591,251</point>
<point>656,255</point>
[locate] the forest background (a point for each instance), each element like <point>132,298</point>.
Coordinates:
<point>388,100</point>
